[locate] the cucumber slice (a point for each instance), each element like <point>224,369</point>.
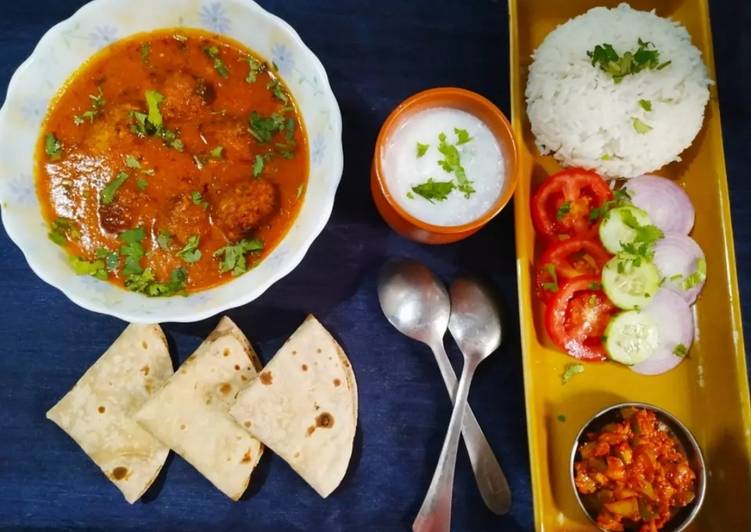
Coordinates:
<point>631,337</point>
<point>615,231</point>
<point>630,283</point>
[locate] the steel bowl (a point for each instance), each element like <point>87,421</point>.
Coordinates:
<point>682,517</point>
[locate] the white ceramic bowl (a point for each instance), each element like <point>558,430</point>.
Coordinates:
<point>62,50</point>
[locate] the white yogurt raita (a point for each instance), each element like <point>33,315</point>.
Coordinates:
<point>481,158</point>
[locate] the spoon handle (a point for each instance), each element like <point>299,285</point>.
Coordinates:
<point>489,476</point>
<point>435,512</point>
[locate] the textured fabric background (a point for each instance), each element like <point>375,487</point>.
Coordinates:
<point>376,54</point>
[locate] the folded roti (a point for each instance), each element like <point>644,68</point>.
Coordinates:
<point>190,413</point>
<point>97,412</point>
<point>303,406</point>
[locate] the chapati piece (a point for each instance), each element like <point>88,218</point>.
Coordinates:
<point>303,406</point>
<point>98,412</point>
<point>190,413</point>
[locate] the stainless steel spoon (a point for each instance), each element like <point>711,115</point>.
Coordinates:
<point>417,304</point>
<point>475,324</point>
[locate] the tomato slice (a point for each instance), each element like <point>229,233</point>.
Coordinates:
<point>562,205</point>
<point>565,259</point>
<point>577,317</point>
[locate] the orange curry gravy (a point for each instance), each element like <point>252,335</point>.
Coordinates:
<point>171,162</point>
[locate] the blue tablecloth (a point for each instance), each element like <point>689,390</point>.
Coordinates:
<point>376,54</point>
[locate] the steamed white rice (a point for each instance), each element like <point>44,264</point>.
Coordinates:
<point>580,115</point>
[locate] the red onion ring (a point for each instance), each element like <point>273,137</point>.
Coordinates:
<point>667,204</point>
<point>675,324</point>
<point>678,257</point>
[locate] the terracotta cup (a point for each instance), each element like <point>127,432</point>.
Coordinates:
<point>471,102</point>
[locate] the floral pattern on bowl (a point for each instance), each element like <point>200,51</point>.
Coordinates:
<point>61,51</point>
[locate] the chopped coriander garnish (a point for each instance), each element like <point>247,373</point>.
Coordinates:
<point>111,258</point>
<point>606,157</point>
<point>277,90</point>
<point>62,230</point>
<point>190,252</point>
<point>145,51</point>
<point>640,127</point>
<point>108,192</point>
<point>258,165</point>
<point>570,370</point>
<point>255,68</point>
<point>563,210</point>
<point>164,239</point>
<point>131,161</point>
<point>646,234</point>
<point>680,350</point>
<point>142,184</point>
<point>154,116</point>
<point>234,256</point>
<point>145,283</point>
<point>561,418</point>
<point>620,198</point>
<point>95,268</point>
<point>216,153</point>
<point>410,195</point>
<point>132,250</point>
<point>646,105</point>
<point>422,149</point>
<point>618,66</point>
<point>263,128</point>
<point>434,190</point>
<point>53,147</point>
<point>213,53</point>
<point>595,286</point>
<point>451,163</point>
<point>97,103</point>
<point>697,277</point>
<point>197,198</point>
<point>552,285</point>
<point>462,136</point>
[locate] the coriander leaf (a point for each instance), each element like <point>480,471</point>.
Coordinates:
<point>154,116</point>
<point>263,128</point>
<point>216,153</point>
<point>277,90</point>
<point>141,184</point>
<point>111,258</point>
<point>255,68</point>
<point>132,250</point>
<point>131,161</point>
<point>258,165</point>
<point>618,66</point>
<point>213,53</point>
<point>62,230</point>
<point>434,190</point>
<point>234,255</point>
<point>646,105</point>
<point>462,136</point>
<point>410,195</point>
<point>680,350</point>
<point>563,210</point>
<point>145,51</point>
<point>53,147</point>
<point>697,277</point>
<point>640,127</point>
<point>422,149</point>
<point>570,370</point>
<point>146,283</point>
<point>561,418</point>
<point>108,192</point>
<point>552,285</point>
<point>451,163</point>
<point>190,252</point>
<point>606,157</point>
<point>196,197</point>
<point>94,268</point>
<point>595,286</point>
<point>164,239</point>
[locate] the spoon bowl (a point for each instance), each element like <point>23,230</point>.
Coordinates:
<point>476,318</point>
<point>413,300</point>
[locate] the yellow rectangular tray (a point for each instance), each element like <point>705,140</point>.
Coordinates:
<point>708,391</point>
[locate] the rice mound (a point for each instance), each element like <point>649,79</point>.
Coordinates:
<point>580,115</point>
